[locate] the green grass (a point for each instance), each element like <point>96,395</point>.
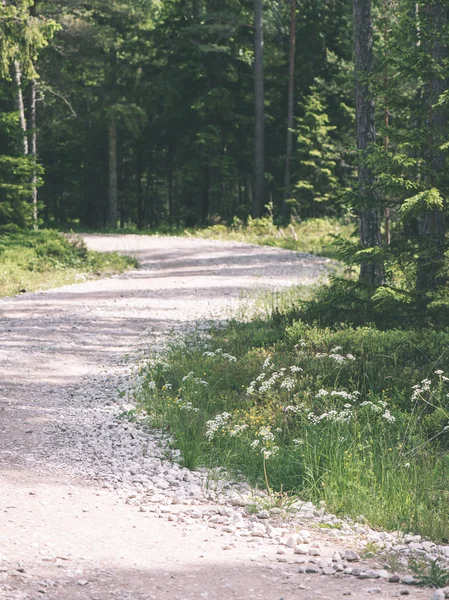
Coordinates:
<point>311,235</point>
<point>38,260</point>
<point>369,443</point>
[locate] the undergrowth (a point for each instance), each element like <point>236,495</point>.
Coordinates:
<point>37,260</point>
<point>355,417</point>
<point>312,235</point>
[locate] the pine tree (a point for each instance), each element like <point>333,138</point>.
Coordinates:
<point>317,185</point>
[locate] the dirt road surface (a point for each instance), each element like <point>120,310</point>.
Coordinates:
<point>66,531</point>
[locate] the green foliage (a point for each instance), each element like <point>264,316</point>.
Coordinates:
<point>317,156</point>
<point>16,170</point>
<point>428,200</point>
<point>311,235</point>
<point>433,574</point>
<point>37,260</point>
<point>340,415</point>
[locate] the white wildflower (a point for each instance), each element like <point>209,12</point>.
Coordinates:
<point>312,418</point>
<point>251,388</point>
<point>266,363</point>
<point>266,434</point>
<point>337,357</point>
<point>288,384</point>
<point>188,406</point>
<point>268,452</point>
<point>295,369</point>
<point>216,424</point>
<point>234,432</point>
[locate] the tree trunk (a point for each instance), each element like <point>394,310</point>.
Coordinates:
<point>113,153</point>
<point>371,271</point>
<point>140,199</point>
<point>17,74</point>
<point>387,214</point>
<point>431,225</point>
<point>113,174</point>
<point>259,112</point>
<point>33,132</point>
<point>290,113</point>
<point>205,196</point>
<point>33,146</point>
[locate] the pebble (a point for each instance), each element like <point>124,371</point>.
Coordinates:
<point>291,541</point>
<point>312,570</point>
<point>301,549</point>
<point>350,556</point>
<point>441,594</point>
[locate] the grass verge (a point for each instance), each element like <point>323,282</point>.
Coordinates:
<point>38,260</point>
<point>312,235</point>
<point>352,416</point>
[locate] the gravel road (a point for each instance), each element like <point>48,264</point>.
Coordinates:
<point>93,508</point>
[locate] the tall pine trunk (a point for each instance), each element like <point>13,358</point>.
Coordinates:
<point>290,112</point>
<point>259,112</point>
<point>113,174</point>
<point>113,153</point>
<point>431,225</point>
<point>371,271</point>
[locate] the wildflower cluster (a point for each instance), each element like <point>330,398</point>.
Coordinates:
<point>218,423</point>
<point>220,354</point>
<point>431,398</point>
<point>334,354</point>
<point>283,379</point>
<point>191,377</point>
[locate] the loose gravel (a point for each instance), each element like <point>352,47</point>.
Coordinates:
<point>69,360</point>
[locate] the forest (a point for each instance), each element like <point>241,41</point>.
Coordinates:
<point>198,112</point>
